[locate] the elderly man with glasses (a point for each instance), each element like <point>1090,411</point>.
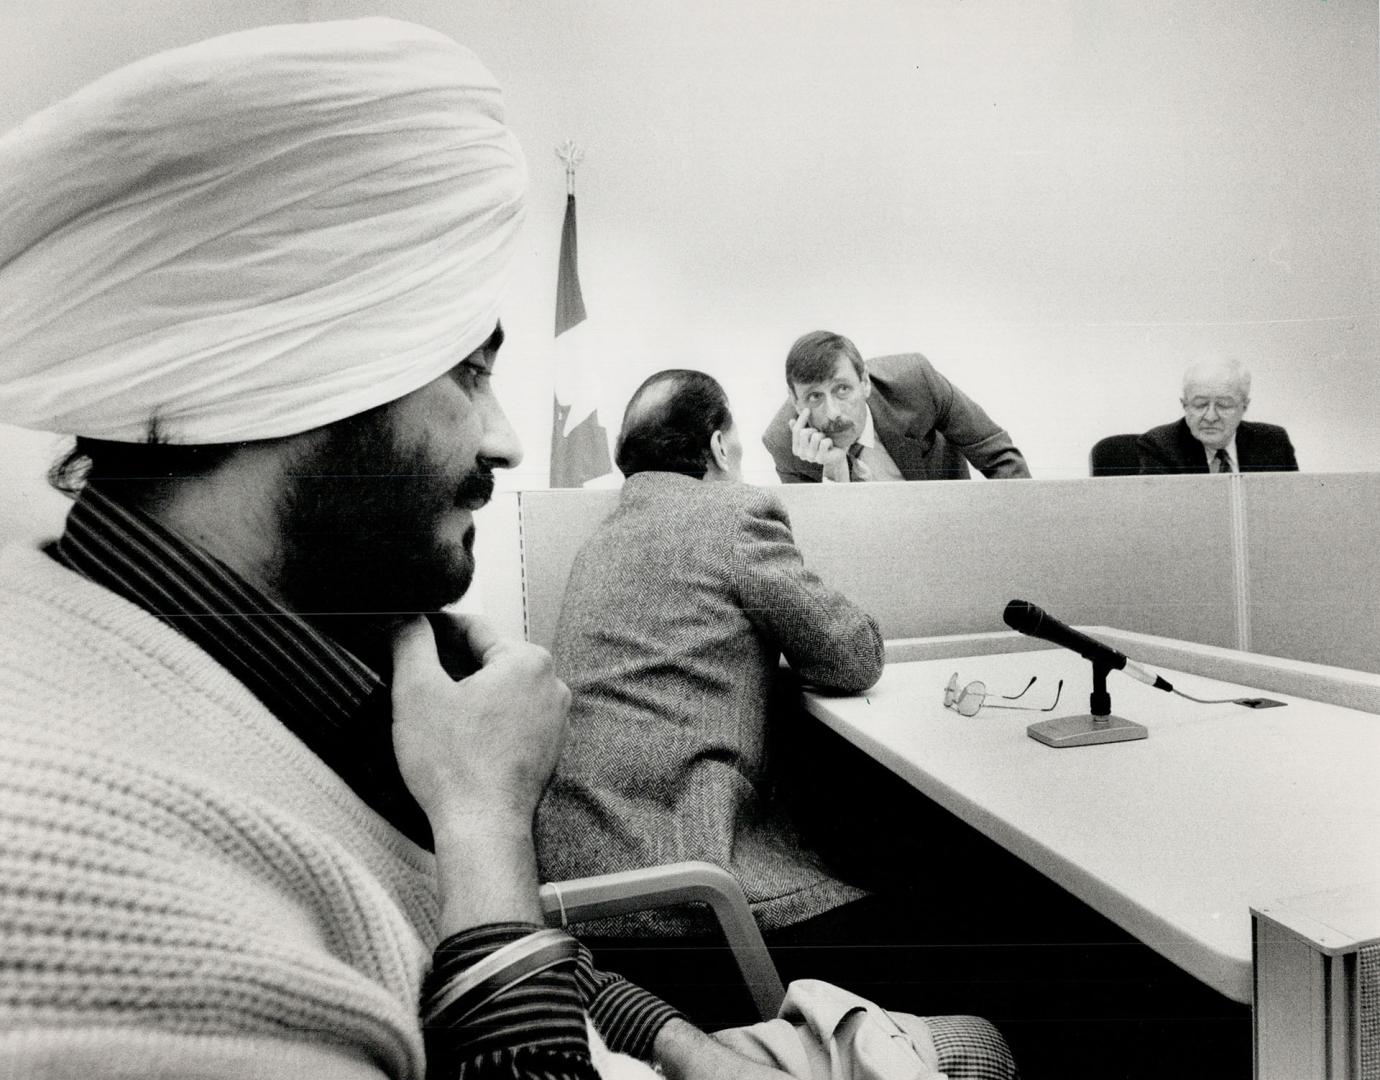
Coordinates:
<point>1212,437</point>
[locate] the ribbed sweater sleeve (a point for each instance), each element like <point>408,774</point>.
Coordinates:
<point>825,637</point>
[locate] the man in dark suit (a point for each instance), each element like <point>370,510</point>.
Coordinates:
<point>1212,437</point>
<point>892,418</point>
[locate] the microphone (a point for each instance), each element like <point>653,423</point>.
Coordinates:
<point>1024,616</point>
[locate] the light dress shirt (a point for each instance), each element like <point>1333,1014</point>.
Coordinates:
<point>1230,448</point>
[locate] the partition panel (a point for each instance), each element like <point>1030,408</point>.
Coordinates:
<point>1149,553</point>
<point>1313,566</point>
<point>497,588</point>
<point>1153,554</point>
<point>553,526</point>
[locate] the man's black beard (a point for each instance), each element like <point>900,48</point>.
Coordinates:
<point>359,528</point>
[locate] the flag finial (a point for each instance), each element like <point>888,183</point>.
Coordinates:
<point>572,155</point>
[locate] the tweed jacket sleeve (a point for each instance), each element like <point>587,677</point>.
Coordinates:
<point>825,637</point>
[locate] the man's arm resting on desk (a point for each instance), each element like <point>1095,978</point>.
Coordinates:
<point>826,638</point>
<point>986,445</point>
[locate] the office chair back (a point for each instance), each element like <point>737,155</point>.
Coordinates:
<point>1116,455</point>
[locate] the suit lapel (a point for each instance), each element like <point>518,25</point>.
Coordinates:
<point>1245,446</point>
<point>1191,452</point>
<point>906,450</point>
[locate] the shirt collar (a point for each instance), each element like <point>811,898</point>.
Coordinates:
<point>322,693</point>
<point>868,438</point>
<point>1230,448</point>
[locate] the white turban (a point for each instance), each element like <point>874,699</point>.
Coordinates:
<point>254,235</point>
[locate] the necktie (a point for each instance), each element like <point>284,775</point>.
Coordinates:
<point>1223,461</point>
<point>857,468</point>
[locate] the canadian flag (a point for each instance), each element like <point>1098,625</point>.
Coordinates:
<point>579,444</point>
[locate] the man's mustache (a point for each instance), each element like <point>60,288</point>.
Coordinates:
<point>477,486</point>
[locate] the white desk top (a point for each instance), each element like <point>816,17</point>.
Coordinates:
<point>1174,837</point>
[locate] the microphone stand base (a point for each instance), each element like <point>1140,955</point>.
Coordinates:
<point>1085,730</point>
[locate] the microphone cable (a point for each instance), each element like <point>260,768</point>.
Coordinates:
<point>1250,703</point>
<point>1207,701</point>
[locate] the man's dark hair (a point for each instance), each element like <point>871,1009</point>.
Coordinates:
<point>814,356</point>
<point>138,474</point>
<point>668,423</point>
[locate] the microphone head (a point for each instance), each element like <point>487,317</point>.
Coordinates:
<point>1022,615</point>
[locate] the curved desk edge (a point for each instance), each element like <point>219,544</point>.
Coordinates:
<point>1228,975</point>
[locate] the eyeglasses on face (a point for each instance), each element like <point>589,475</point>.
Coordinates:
<point>1199,405</point>
<point>974,696</point>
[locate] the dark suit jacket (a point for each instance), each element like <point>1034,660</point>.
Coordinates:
<point>676,613</point>
<point>1171,448</point>
<point>929,426</point>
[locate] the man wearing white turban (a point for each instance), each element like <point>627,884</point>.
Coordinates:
<point>256,813</point>
<point>258,816</point>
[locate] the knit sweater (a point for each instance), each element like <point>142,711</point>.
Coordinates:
<point>185,889</point>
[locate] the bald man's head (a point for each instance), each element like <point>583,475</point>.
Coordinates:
<point>671,422</point>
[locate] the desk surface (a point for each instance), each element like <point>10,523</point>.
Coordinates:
<point>1174,837</point>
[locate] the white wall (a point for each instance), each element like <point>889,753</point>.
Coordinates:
<point>1058,202</point>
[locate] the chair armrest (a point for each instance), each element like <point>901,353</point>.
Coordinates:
<point>604,895</point>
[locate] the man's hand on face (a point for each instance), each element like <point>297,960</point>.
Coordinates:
<point>812,445</point>
<point>479,749</point>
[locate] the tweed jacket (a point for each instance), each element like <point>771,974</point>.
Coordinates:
<point>931,429</point>
<point>1171,448</point>
<point>675,616</point>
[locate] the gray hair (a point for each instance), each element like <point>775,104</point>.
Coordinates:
<point>1218,367</point>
